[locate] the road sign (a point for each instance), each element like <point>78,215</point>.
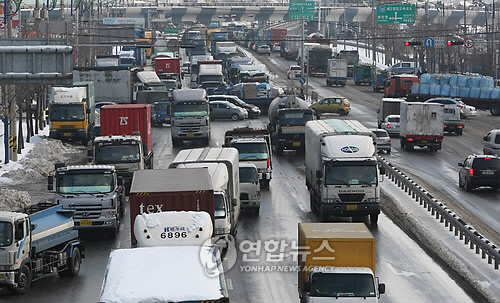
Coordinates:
<point>439,42</point>
<point>396,13</point>
<point>469,43</point>
<point>302,80</point>
<point>301,10</point>
<point>429,42</point>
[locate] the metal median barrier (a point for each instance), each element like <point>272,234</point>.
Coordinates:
<point>455,224</point>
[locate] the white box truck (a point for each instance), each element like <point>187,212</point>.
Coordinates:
<point>421,124</point>
<point>223,167</point>
<point>341,169</point>
<point>337,72</point>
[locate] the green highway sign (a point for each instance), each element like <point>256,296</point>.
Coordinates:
<point>396,13</point>
<point>301,10</point>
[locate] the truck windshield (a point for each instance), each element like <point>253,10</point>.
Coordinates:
<point>248,175</point>
<point>213,78</point>
<point>67,112</point>
<point>109,154</point>
<point>342,285</point>
<point>252,151</point>
<point>84,183</point>
<point>294,118</point>
<point>220,207</point>
<point>6,234</point>
<point>356,173</point>
<point>162,107</point>
<point>190,109</point>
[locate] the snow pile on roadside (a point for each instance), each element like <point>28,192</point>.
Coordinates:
<point>38,163</point>
<point>11,199</point>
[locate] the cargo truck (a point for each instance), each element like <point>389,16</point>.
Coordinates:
<point>289,48</point>
<point>288,116</point>
<point>342,172</point>
<point>362,74</point>
<point>388,106</point>
<point>223,167</point>
<point>399,86</point>
<point>249,187</point>
<point>421,124</point>
<point>337,72</point>
<point>337,263</point>
<point>190,116</point>
<point>147,81</point>
<point>254,146</point>
<point>72,112</point>
<point>307,47</point>
<point>379,79</point>
<point>210,75</point>
<point>125,141</point>
<point>111,83</point>
<point>94,192</point>
<point>352,58</point>
<point>318,60</point>
<point>160,190</point>
<point>37,243</point>
<point>168,67</point>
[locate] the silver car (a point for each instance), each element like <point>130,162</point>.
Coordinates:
<point>383,140</point>
<point>226,110</point>
<point>491,143</point>
<point>391,124</point>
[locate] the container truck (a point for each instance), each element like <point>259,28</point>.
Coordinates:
<point>278,34</point>
<point>362,74</point>
<point>160,190</point>
<point>190,116</point>
<point>399,86</point>
<point>341,169</point>
<point>72,112</point>
<point>111,83</point>
<point>288,116</point>
<point>210,74</point>
<point>223,167</point>
<point>290,48</point>
<point>107,60</point>
<point>37,243</point>
<point>337,72</point>
<point>168,68</point>
<point>254,146</point>
<point>337,263</point>
<point>125,139</point>
<point>421,124</point>
<point>94,192</point>
<point>318,60</point>
<point>260,94</point>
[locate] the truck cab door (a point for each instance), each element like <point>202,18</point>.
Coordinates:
<point>21,230</point>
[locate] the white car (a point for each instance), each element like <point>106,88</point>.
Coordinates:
<point>276,47</point>
<point>293,72</point>
<point>467,110</point>
<point>391,124</point>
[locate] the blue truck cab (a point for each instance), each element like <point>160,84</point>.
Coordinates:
<point>37,243</point>
<point>161,113</point>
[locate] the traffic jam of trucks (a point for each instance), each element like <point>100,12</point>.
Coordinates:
<point>191,210</point>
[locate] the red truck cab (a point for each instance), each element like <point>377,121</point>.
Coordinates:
<point>399,86</point>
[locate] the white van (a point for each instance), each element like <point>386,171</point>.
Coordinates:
<point>249,187</point>
<point>491,143</point>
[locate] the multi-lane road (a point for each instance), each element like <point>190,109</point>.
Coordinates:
<point>409,273</point>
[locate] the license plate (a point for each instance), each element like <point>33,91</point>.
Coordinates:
<point>296,143</point>
<point>189,134</point>
<point>167,119</point>
<point>424,141</point>
<point>351,207</point>
<point>67,134</point>
<point>2,276</point>
<point>85,222</point>
<point>488,173</point>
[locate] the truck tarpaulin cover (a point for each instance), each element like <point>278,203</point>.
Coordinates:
<point>163,274</point>
<point>68,94</point>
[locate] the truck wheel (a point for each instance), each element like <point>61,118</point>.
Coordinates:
<point>495,109</point>
<point>374,220</point>
<point>23,281</point>
<point>256,211</point>
<point>175,142</point>
<point>311,203</point>
<point>116,229</point>
<point>409,146</point>
<point>73,266</point>
<point>402,141</point>
<point>388,151</point>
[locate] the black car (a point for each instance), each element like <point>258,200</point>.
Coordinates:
<point>479,170</point>
<point>253,110</point>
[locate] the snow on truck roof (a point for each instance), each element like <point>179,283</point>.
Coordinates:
<point>163,274</point>
<point>171,180</point>
<point>189,94</point>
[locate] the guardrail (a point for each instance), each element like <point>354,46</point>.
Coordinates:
<point>455,224</point>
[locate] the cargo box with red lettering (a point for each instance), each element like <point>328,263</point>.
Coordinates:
<point>174,189</point>
<point>167,66</point>
<point>127,119</point>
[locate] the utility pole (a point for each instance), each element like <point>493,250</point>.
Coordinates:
<point>302,71</point>
<point>11,101</point>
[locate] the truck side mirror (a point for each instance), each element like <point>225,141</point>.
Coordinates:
<point>319,174</point>
<point>235,202</point>
<point>307,286</point>
<point>460,164</point>
<point>382,170</point>
<point>50,183</point>
<point>485,138</point>
<point>381,288</point>
<point>120,181</point>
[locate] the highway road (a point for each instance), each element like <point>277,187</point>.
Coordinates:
<point>409,273</point>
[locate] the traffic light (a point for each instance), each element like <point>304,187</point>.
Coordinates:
<point>450,43</point>
<point>412,43</point>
